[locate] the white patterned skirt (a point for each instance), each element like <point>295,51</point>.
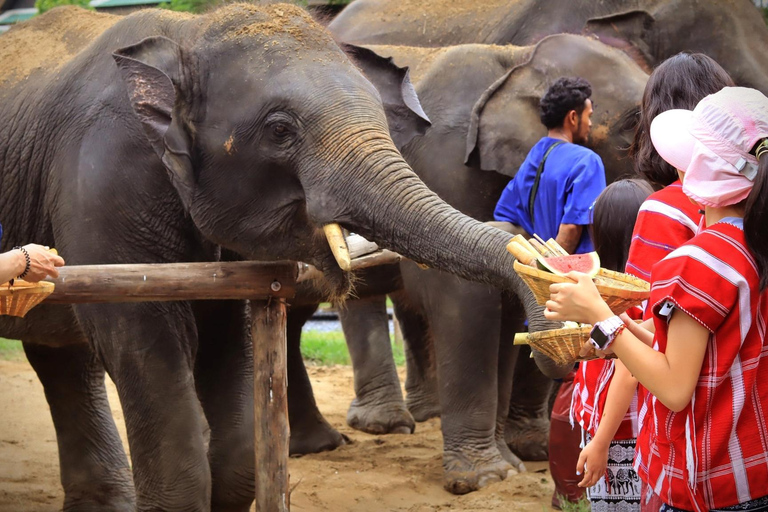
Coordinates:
<point>619,489</point>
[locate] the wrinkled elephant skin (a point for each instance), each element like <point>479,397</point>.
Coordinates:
<point>482,101</point>
<point>165,137</point>
<point>730,31</point>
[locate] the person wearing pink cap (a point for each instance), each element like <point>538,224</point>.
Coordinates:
<point>710,314</point>
<point>604,389</point>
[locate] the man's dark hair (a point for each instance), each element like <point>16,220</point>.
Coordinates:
<point>566,94</point>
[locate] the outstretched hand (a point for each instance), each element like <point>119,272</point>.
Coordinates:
<point>578,301</point>
<point>593,460</point>
<point>42,263</point>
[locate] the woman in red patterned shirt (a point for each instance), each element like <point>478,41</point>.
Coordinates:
<point>606,396</point>
<point>709,302</point>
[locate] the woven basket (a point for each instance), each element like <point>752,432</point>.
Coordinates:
<point>620,291</point>
<point>18,299</point>
<point>560,345</point>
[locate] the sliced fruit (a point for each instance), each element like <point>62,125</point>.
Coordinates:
<point>588,263</point>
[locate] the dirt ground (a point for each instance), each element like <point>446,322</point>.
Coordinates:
<point>374,473</point>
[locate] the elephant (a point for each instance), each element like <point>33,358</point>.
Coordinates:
<point>730,31</point>
<point>164,137</point>
<point>482,101</point>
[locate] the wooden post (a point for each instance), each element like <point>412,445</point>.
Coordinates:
<point>270,405</point>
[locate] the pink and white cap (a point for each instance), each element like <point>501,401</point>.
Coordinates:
<point>711,144</point>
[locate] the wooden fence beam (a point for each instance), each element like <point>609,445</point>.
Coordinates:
<point>174,281</point>
<point>270,405</point>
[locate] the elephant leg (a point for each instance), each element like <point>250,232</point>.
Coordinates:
<point>94,469</point>
<point>310,431</point>
<point>378,407</point>
<point>466,319</point>
<point>423,399</point>
<point>512,321</point>
<point>224,381</point>
<point>149,351</point>
<point>527,428</point>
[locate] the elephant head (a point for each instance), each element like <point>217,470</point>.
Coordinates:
<point>731,32</point>
<point>269,132</point>
<point>505,120</point>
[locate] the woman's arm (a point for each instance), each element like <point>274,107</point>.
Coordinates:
<point>670,376</point>
<point>620,393</point>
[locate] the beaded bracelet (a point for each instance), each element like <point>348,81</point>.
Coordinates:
<point>29,262</point>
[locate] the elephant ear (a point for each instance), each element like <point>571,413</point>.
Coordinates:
<point>626,31</point>
<point>405,116</point>
<point>504,124</point>
<point>151,72</point>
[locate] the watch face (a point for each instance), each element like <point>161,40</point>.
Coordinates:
<point>599,336</point>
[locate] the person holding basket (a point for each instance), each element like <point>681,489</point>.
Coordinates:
<point>709,307</point>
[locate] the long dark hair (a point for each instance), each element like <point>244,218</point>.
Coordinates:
<point>613,218</point>
<point>756,220</point>
<point>681,81</point>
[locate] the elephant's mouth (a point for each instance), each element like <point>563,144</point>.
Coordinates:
<point>334,261</point>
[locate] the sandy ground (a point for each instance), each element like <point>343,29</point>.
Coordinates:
<point>374,473</point>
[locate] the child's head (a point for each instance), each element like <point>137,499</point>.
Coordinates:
<point>613,218</point>
<point>722,146</point>
<point>680,81</point>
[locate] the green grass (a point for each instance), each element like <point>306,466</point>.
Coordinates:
<point>580,506</point>
<point>328,348</point>
<point>317,347</point>
<point>11,350</point>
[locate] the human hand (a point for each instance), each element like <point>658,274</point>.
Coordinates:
<point>578,302</point>
<point>43,262</point>
<point>640,331</point>
<point>593,460</point>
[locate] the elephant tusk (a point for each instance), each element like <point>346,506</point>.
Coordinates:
<point>338,244</point>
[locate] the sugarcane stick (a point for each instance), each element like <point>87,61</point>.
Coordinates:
<point>556,247</point>
<point>541,248</point>
<point>521,338</point>
<point>520,239</point>
<point>522,254</point>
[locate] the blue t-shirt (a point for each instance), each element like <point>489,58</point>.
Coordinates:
<point>572,179</point>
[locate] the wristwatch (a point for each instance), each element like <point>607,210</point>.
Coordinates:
<point>603,333</point>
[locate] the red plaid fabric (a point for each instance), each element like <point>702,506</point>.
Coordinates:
<point>712,454</point>
<point>666,220</point>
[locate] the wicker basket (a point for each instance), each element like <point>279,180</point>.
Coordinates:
<point>560,345</point>
<point>620,291</point>
<point>18,299</point>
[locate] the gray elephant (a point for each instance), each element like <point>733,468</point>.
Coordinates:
<point>482,101</point>
<point>162,137</point>
<point>730,31</point>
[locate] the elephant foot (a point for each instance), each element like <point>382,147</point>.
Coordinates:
<point>528,437</point>
<point>321,438</point>
<point>468,470</point>
<point>423,406</point>
<point>100,504</point>
<point>510,457</point>
<point>387,418</point>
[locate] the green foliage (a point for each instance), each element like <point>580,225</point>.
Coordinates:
<point>46,5</point>
<point>329,348</point>
<point>582,505</point>
<point>11,350</point>
<point>194,6</point>
<point>764,10</point>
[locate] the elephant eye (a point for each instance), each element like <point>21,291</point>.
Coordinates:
<point>280,129</point>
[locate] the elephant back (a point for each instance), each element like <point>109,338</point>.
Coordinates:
<point>47,42</point>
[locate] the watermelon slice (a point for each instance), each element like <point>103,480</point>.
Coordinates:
<point>588,263</point>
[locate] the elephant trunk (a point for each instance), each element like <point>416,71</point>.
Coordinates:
<point>386,202</point>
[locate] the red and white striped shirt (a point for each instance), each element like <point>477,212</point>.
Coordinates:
<point>666,220</point>
<point>713,453</point>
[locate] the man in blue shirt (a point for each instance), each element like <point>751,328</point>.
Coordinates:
<point>569,181</point>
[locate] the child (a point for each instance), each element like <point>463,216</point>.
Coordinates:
<point>609,450</point>
<point>709,304</point>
